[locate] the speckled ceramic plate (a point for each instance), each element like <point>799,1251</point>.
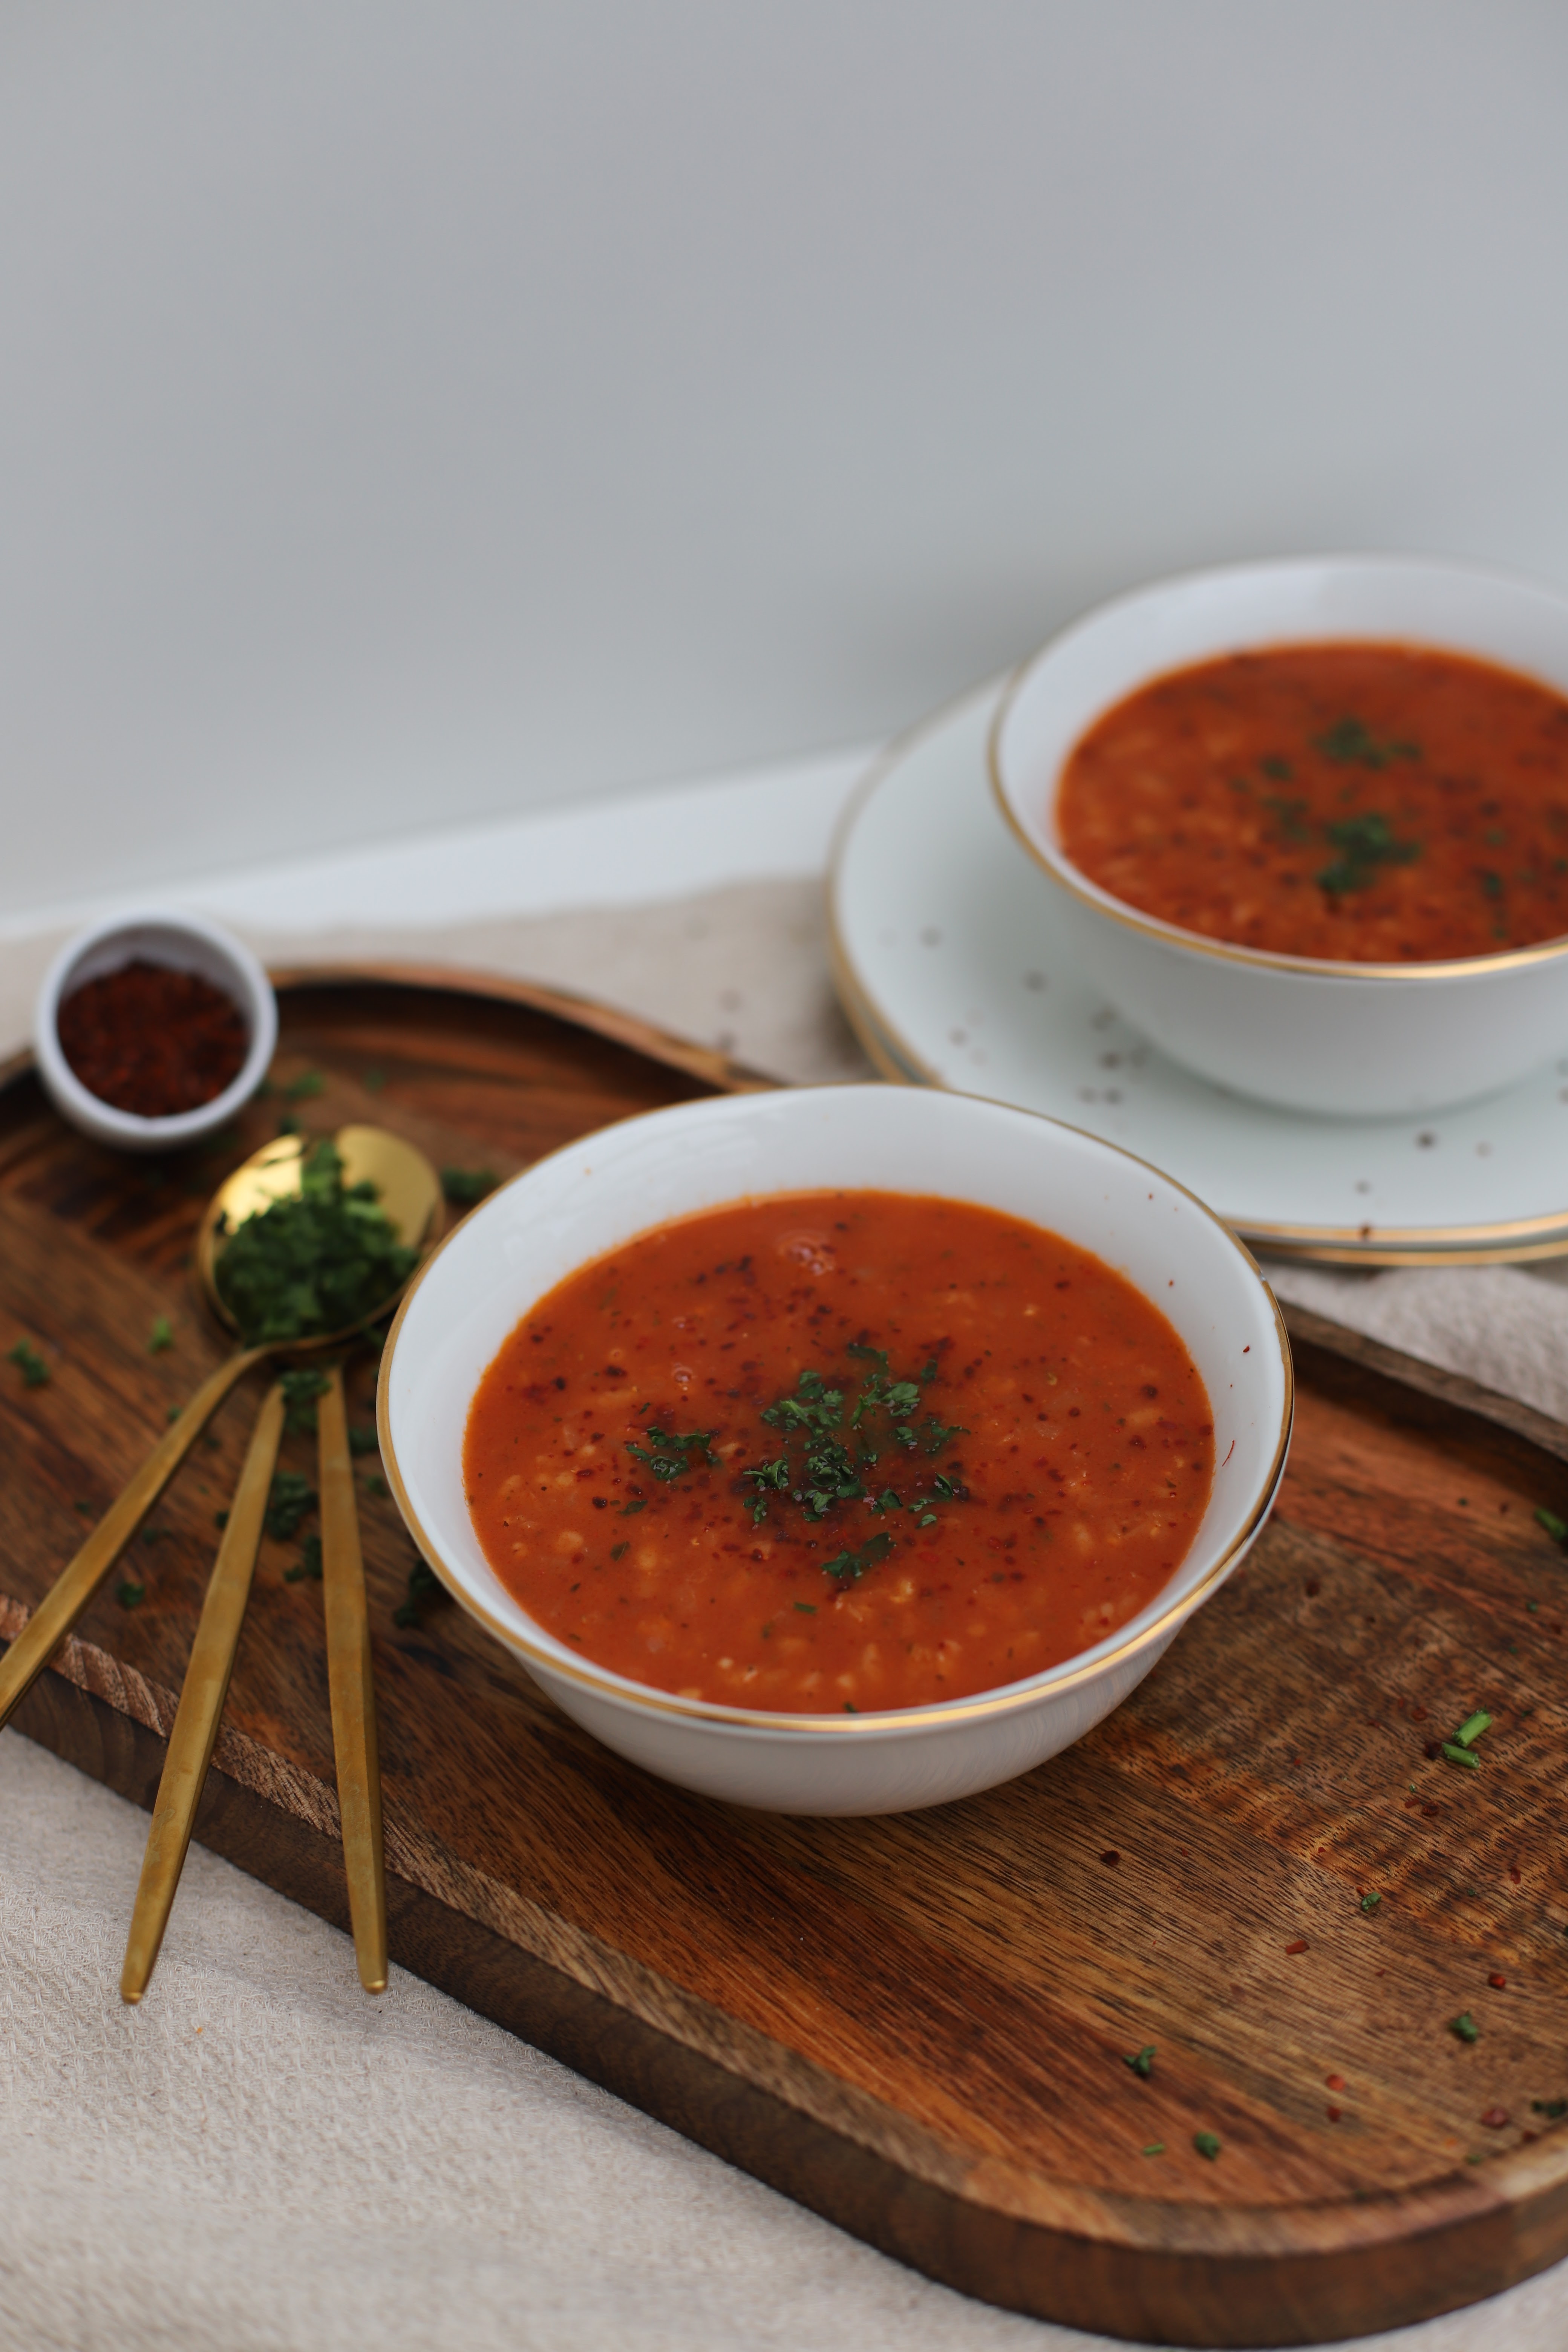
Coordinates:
<point>953,958</point>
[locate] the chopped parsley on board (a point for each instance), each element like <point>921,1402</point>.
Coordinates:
<point>30,1364</point>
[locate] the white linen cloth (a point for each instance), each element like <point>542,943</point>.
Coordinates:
<point>259,2157</point>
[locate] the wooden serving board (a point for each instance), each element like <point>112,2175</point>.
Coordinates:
<point>917,2026</point>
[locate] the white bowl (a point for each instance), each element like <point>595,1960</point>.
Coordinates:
<point>593,1196</point>
<point>1372,1039</point>
<point>183,943</point>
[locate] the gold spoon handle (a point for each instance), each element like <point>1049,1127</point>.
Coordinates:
<point>201,1703</point>
<point>349,1679</point>
<point>66,1597</point>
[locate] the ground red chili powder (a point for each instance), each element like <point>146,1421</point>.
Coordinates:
<point>152,1041</point>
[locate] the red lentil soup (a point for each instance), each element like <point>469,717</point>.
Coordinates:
<point>1366,804</point>
<point>839,1451</point>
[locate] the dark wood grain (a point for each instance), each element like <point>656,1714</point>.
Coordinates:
<point>918,2025</point>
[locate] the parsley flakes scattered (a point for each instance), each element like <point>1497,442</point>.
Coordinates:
<point>30,1364</point>
<point>424,1584</point>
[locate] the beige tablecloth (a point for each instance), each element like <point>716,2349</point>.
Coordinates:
<point>260,2158</point>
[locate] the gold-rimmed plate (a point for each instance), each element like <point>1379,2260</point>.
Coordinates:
<point>955,961</point>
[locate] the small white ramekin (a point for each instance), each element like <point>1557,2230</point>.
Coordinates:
<point>570,1209</point>
<point>1370,1040</point>
<point>183,943</point>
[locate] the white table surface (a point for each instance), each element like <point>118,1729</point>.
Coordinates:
<point>258,2155</point>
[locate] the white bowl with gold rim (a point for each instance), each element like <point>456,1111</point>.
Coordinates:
<point>1373,1040</point>
<point>593,1196</point>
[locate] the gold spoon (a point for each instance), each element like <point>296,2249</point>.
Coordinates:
<point>409,1195</point>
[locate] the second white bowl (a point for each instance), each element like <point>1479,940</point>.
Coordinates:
<point>1376,1040</point>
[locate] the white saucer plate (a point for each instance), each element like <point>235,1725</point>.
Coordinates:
<point>954,960</point>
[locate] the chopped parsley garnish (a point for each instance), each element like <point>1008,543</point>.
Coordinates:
<point>464,1186</point>
<point>836,1436</point>
<point>376,1484</point>
<point>129,1593</point>
<point>30,1364</point>
<point>618,1550</point>
<point>1206,2144</point>
<point>1463,2027</point>
<point>291,1499</point>
<point>1550,2108</point>
<point>300,1389</point>
<point>670,1456</point>
<point>323,1260</point>
<point>424,1584</point>
<point>1370,1901</point>
<point>1555,1528</point>
<point>1141,2062</point>
<point>1364,843</point>
<point>1155,2147</point>
<point>850,1566</point>
<point>309,1562</point>
<point>160,1336</point>
<point>308,1084</point>
<point>1351,743</point>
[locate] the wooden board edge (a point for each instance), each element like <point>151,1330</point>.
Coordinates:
<point>987,2230</point>
<point>609,1021</point>
<point>1308,1331</point>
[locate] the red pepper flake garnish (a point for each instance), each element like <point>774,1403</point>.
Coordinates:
<point>1496,2119</point>
<point>1417,1715</point>
<point>1333,2082</point>
<point>1498,1984</point>
<point>152,1041</point>
<point>1333,2113</point>
<point>1110,1858</point>
<point>1299,1946</point>
<point>1514,1875</point>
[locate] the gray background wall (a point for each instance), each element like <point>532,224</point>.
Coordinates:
<point>411,412</point>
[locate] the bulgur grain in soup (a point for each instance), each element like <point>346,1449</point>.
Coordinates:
<point>839,1451</point>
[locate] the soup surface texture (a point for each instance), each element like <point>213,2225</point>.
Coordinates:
<point>1367,803</point>
<point>839,1450</point>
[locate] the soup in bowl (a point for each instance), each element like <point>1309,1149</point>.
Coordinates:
<point>1308,822</point>
<point>841,1450</point>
